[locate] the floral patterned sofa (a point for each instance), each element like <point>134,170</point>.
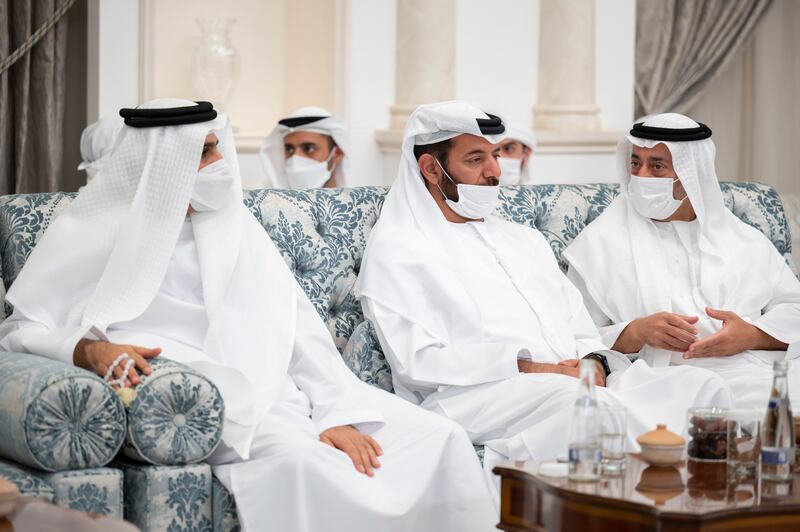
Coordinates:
<point>66,437</point>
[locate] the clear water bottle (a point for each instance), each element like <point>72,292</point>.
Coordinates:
<point>584,440</point>
<point>777,441</point>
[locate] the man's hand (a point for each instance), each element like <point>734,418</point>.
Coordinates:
<point>735,336</point>
<point>565,367</point>
<point>575,369</point>
<point>362,449</point>
<point>97,356</point>
<point>664,330</point>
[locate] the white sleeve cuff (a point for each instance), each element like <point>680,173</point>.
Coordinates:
<point>610,333</point>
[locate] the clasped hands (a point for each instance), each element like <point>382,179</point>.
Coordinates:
<point>569,367</point>
<point>676,332</point>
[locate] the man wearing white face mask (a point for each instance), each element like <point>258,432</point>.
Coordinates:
<point>515,154</point>
<point>668,272</point>
<point>473,313</point>
<point>307,149</point>
<point>157,253</point>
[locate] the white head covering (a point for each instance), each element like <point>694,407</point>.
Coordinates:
<point>526,137</point>
<point>619,256</point>
<point>272,151</point>
<point>103,260</point>
<point>97,142</point>
<point>412,240</point>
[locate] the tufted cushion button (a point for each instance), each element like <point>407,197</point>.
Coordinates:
<point>179,420</point>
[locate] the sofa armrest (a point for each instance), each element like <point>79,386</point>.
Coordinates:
<point>56,417</point>
<point>364,356</point>
<point>175,418</point>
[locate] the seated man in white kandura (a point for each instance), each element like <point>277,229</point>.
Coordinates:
<point>154,253</point>
<point>474,315</point>
<point>668,272</point>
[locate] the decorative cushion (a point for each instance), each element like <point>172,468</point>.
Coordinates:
<point>26,481</point>
<point>56,417</point>
<point>225,517</point>
<point>364,356</point>
<point>176,417</point>
<point>173,498</point>
<point>95,491</point>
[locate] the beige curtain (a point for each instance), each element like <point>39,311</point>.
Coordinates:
<point>31,98</point>
<point>681,46</point>
<point>753,110</point>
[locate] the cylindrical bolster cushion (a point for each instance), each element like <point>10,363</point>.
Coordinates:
<point>57,417</point>
<point>176,417</point>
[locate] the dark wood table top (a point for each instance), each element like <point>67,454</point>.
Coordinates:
<point>690,490</point>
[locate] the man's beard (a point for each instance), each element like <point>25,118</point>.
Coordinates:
<point>449,188</point>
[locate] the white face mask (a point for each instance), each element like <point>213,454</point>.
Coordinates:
<point>212,186</point>
<point>304,173</point>
<point>510,170</point>
<point>652,196</point>
<point>474,201</point>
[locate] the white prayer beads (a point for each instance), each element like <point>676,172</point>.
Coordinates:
<point>129,363</point>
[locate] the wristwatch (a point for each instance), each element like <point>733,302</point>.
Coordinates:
<point>603,361</point>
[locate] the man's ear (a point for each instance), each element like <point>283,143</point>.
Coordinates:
<point>526,154</point>
<point>429,168</point>
<point>337,157</point>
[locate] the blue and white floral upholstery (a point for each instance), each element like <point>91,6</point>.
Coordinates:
<point>176,417</point>
<point>225,518</point>
<point>56,417</point>
<point>97,491</point>
<point>364,356</point>
<point>321,235</point>
<point>26,481</point>
<point>173,498</point>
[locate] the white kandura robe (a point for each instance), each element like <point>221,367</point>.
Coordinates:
<point>429,478</point>
<point>749,373</point>
<point>523,415</point>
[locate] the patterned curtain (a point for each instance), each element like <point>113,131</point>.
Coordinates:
<point>681,46</point>
<point>32,98</point>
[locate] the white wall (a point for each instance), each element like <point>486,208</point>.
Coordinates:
<point>112,57</point>
<point>497,52</point>
<point>495,66</point>
<point>615,45</point>
<point>367,85</point>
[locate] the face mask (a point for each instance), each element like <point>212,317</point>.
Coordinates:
<point>304,173</point>
<point>474,201</point>
<point>652,196</point>
<point>510,170</point>
<point>212,186</point>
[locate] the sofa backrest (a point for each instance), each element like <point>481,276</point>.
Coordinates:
<point>322,233</point>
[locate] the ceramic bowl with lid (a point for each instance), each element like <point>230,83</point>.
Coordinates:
<point>661,447</point>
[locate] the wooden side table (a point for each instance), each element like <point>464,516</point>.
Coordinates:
<point>691,497</point>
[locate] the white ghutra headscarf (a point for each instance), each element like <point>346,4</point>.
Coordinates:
<point>103,260</point>
<point>97,143</point>
<point>272,151</point>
